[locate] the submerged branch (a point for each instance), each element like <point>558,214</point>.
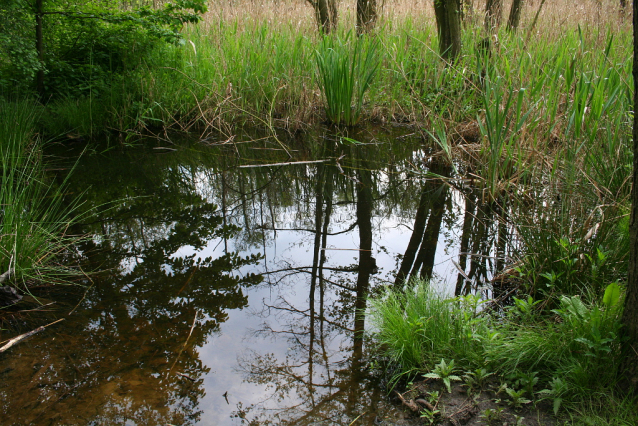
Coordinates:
<point>21,337</point>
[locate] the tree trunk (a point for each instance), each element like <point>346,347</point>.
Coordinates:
<point>493,14</point>
<point>326,14</point>
<point>39,47</point>
<point>515,15</point>
<point>448,25</point>
<point>630,316</point>
<point>366,15</point>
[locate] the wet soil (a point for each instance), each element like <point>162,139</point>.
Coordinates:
<point>489,406</point>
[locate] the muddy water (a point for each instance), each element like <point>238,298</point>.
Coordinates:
<point>229,287</point>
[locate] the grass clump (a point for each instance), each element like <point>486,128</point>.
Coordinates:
<point>346,69</point>
<point>33,215</point>
<point>419,326</point>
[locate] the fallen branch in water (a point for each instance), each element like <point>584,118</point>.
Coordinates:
<point>281,164</point>
<point>21,337</point>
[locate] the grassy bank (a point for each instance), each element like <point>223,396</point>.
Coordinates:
<point>256,63</point>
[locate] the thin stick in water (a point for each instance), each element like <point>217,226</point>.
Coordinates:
<point>21,337</point>
<point>186,342</point>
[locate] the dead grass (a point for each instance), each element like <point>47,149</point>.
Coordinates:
<point>554,17</point>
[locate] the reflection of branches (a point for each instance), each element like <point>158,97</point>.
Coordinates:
<point>307,315</point>
<point>311,231</point>
<point>304,269</point>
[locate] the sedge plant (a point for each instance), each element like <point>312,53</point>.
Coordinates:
<point>346,68</point>
<point>33,216</point>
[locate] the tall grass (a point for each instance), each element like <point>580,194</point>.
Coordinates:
<point>33,215</point>
<point>417,327</point>
<point>346,69</point>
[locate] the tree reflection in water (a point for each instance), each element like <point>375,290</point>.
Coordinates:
<point>128,356</point>
<point>322,377</point>
<point>185,247</point>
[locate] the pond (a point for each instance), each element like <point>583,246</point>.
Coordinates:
<point>227,281</point>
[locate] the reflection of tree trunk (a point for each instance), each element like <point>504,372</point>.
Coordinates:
<point>448,25</point>
<point>515,15</point>
<point>366,15</point>
<point>479,247</point>
<point>366,261</point>
<point>427,253</point>
<point>416,238</point>
<point>432,200</point>
<point>315,267</point>
<point>224,206</point>
<point>470,205</point>
<point>244,205</point>
<point>324,242</point>
<point>501,243</point>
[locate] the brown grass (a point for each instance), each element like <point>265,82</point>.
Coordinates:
<point>555,16</point>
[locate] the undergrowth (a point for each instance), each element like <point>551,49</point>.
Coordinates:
<point>569,355</point>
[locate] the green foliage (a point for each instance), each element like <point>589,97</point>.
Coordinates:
<point>582,349</point>
<point>18,57</point>
<point>517,398</point>
<point>346,69</point>
<point>86,44</point>
<point>555,392</point>
<point>492,416</point>
<point>475,380</point>
<point>445,372</point>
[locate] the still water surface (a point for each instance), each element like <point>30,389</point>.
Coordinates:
<point>232,291</point>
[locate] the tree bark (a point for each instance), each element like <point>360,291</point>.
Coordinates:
<point>515,15</point>
<point>326,14</point>
<point>629,366</point>
<point>493,14</point>
<point>39,47</point>
<point>366,16</point>
<point>448,25</point>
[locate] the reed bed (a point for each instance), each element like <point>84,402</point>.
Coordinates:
<point>254,61</point>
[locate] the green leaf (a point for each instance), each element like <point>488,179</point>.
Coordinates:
<point>557,402</point>
<point>612,295</point>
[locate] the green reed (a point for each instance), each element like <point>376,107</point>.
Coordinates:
<point>346,70</point>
